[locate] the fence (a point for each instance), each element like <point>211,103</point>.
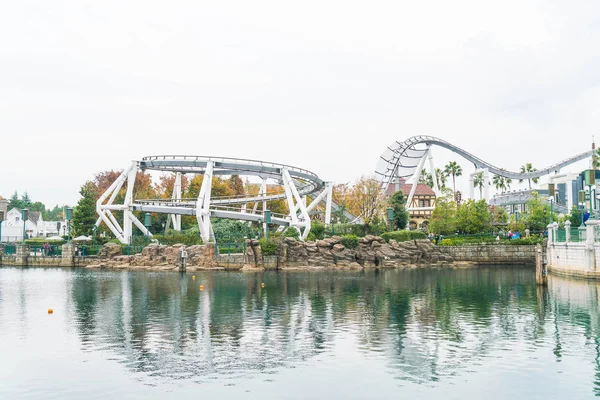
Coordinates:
<point>575,235</point>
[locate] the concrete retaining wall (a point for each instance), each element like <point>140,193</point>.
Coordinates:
<point>490,254</point>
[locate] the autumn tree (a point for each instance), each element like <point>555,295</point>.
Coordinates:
<point>367,199</point>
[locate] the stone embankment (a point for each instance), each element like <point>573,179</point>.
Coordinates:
<point>371,252</point>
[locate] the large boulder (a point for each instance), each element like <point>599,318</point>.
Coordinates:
<point>110,251</point>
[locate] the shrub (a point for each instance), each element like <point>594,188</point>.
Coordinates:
<point>36,241</point>
<point>403,235</point>
<point>350,241</point>
<point>174,237</point>
<point>466,240</point>
<point>318,229</point>
<point>311,237</point>
<point>269,247</point>
<point>292,232</point>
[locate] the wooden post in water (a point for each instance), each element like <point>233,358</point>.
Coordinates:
<point>541,277</point>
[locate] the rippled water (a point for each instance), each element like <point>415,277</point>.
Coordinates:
<point>455,334</point>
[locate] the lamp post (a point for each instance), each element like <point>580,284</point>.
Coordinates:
<point>267,221</point>
<point>1,220</point>
<point>163,235</point>
<point>147,224</point>
<point>69,216</point>
<point>94,234</point>
<point>24,217</point>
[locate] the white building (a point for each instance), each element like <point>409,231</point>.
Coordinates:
<point>35,226</point>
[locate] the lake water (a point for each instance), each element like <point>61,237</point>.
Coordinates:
<point>419,334</point>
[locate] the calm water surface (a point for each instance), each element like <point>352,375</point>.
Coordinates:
<point>461,334</point>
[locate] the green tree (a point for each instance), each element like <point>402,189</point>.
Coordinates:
<point>538,214</point>
<point>26,200</point>
<point>501,183</point>
<point>84,214</point>
<point>426,178</point>
<point>528,168</point>
<point>454,170</point>
<point>479,182</point>
<point>443,217</point>
<point>15,201</point>
<point>499,215</point>
<point>440,177</point>
<point>473,217</point>
<point>398,204</point>
<point>575,217</point>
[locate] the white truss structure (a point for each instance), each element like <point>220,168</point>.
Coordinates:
<point>406,160</point>
<point>296,186</point>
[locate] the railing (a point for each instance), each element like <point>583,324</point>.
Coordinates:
<point>576,235</point>
<point>10,249</point>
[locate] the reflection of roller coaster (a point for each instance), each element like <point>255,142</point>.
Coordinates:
<point>407,159</point>
<point>296,185</point>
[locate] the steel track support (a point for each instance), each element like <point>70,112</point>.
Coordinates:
<point>203,203</point>
<point>295,202</point>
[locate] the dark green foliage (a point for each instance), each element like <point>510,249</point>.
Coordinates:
<point>311,237</point>
<point>487,239</point>
<point>292,232</point>
<point>268,246</point>
<point>403,235</point>
<point>473,217</point>
<point>174,237</point>
<point>318,229</point>
<point>350,241</point>
<point>398,204</point>
<point>377,227</point>
<point>575,217</point>
<point>84,214</point>
<point>41,241</point>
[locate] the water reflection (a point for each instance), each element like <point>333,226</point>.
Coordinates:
<point>428,326</point>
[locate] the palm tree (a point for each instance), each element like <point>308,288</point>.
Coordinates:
<point>478,182</point>
<point>527,168</point>
<point>452,168</point>
<point>440,177</point>
<point>426,178</point>
<point>499,182</point>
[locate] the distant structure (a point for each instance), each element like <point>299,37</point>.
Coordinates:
<point>421,205</point>
<point>35,226</point>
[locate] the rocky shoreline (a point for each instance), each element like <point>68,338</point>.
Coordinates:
<point>372,252</point>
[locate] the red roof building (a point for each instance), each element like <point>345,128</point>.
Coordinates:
<point>422,203</point>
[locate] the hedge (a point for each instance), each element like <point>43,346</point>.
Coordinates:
<point>350,241</point>
<point>403,236</point>
<point>463,241</point>
<point>268,247</point>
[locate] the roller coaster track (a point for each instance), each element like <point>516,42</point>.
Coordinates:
<point>402,158</point>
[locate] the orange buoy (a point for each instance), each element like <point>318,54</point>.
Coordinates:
<point>50,311</point>
<point>201,287</point>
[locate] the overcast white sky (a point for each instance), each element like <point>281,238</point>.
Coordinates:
<point>325,85</point>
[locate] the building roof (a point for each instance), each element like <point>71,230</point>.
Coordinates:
<point>34,216</point>
<point>421,190</point>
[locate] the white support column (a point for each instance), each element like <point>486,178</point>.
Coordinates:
<point>416,177</point>
<point>203,203</point>
<point>472,185</point>
<point>486,184</point>
<point>293,195</point>
<point>127,220</point>
<point>329,201</point>
<point>176,197</point>
<point>436,189</point>
<point>103,210</point>
<point>263,190</point>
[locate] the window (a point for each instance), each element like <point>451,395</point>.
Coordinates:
<point>17,219</point>
<point>421,203</point>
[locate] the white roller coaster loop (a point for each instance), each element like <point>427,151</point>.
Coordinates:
<point>296,184</point>
<point>406,160</point>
